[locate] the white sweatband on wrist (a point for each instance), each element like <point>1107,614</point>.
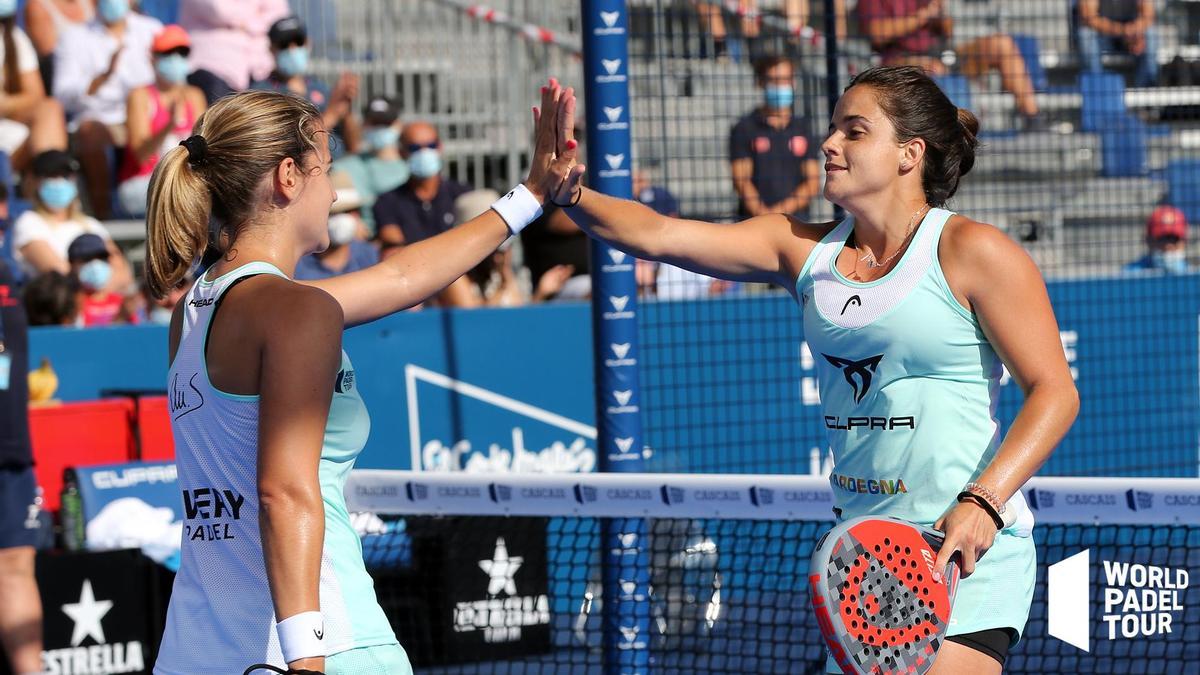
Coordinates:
<point>518,208</point>
<point>302,636</point>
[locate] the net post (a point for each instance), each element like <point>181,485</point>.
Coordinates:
<point>625,560</point>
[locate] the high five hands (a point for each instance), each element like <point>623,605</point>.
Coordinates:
<point>555,175</point>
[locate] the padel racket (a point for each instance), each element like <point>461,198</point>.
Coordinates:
<point>876,602</point>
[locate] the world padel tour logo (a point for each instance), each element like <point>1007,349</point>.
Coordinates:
<point>1138,600</point>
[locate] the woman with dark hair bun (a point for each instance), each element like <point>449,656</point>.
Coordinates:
<point>914,311</point>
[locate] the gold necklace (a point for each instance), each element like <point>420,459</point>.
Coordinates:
<point>869,258</point>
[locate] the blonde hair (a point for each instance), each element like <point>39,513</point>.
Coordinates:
<point>243,137</point>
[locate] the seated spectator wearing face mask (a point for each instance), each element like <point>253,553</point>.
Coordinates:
<point>96,67</point>
<point>289,46</point>
<point>378,168</point>
<point>30,121</point>
<point>42,235</point>
<point>1166,241</point>
<point>160,115</point>
<point>230,36</point>
<point>347,251</point>
<point>88,256</point>
<point>424,205</point>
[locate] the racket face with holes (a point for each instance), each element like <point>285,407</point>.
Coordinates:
<point>874,595</point>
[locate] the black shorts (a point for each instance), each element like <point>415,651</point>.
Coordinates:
<point>19,507</point>
<point>994,642</point>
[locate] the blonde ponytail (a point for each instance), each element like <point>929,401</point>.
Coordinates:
<point>237,141</point>
<point>177,214</point>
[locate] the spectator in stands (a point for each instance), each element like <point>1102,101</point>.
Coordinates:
<point>30,121</point>
<point>20,604</point>
<point>795,17</point>
<point>42,235</point>
<point>347,251</point>
<point>157,311</point>
<point>289,47</point>
<point>160,115</point>
<point>772,159</point>
<point>1125,26</point>
<point>379,168</point>
<point>1166,243</point>
<point>917,32</point>
<point>97,65</point>
<point>552,242</point>
<point>89,259</point>
<point>494,281</point>
<point>231,47</point>
<point>662,280</point>
<point>52,299</point>
<point>46,20</point>
<point>424,205</point>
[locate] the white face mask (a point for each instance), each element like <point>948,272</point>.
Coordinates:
<point>342,228</point>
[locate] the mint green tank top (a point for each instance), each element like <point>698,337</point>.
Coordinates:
<point>908,381</point>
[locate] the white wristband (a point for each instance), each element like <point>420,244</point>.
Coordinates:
<point>301,636</point>
<point>518,208</point>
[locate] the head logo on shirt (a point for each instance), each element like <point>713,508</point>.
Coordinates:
<point>858,373</point>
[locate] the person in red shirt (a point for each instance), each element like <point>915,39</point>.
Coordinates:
<point>88,256</point>
<point>917,33</point>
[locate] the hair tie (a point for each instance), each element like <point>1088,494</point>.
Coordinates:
<point>197,148</point>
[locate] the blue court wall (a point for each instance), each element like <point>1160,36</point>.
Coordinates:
<point>732,388</point>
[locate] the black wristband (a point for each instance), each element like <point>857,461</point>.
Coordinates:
<point>983,504</point>
<point>575,202</point>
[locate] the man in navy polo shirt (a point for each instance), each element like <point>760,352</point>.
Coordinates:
<point>423,206</point>
<point>772,157</point>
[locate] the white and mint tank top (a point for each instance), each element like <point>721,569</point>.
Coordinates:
<point>221,618</point>
<point>908,381</point>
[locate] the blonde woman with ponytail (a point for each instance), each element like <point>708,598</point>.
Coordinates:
<point>266,416</point>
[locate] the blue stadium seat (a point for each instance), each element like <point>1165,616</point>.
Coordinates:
<point>1123,147</point>
<point>1103,100</point>
<point>956,88</point>
<point>166,11</point>
<point>1183,187</point>
<point>1031,53</point>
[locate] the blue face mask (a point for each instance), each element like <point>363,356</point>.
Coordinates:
<point>58,193</point>
<point>173,68</point>
<point>779,96</point>
<point>1171,262</point>
<point>425,162</point>
<point>292,61</point>
<point>382,137</point>
<point>7,8</point>
<point>112,11</point>
<point>95,274</point>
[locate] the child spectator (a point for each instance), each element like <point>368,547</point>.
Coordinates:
<point>42,235</point>
<point>52,299</point>
<point>96,66</point>
<point>289,46</point>
<point>30,122</point>
<point>160,115</point>
<point>88,256</point>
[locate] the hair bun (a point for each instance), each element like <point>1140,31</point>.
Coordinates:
<point>197,149</point>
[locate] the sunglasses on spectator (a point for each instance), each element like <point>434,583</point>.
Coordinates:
<point>290,44</point>
<point>414,147</point>
<point>181,51</point>
<point>1167,240</point>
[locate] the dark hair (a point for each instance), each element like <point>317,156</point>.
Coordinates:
<point>12,75</point>
<point>50,299</point>
<point>918,108</point>
<point>764,63</point>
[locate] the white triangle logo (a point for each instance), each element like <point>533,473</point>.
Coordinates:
<point>614,161</point>
<point>629,540</point>
<point>611,67</point>
<point>619,302</point>
<point>630,633</point>
<point>618,257</point>
<point>624,444</point>
<point>628,587</point>
<point>610,18</point>
<point>620,350</point>
<point>614,114</point>
<point>623,396</point>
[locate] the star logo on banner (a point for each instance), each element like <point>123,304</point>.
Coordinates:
<point>87,614</point>
<point>501,569</point>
